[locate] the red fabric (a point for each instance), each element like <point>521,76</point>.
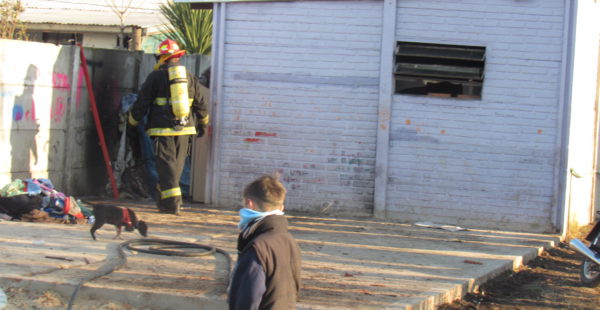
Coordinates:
<point>67,209</point>
<point>67,206</point>
<point>126,218</point>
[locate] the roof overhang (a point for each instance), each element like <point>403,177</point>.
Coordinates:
<point>144,13</point>
<point>208,4</point>
<point>77,28</point>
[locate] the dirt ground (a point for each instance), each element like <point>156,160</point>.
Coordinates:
<point>20,299</point>
<point>551,281</point>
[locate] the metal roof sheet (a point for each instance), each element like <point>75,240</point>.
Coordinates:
<point>143,13</point>
<point>220,1</point>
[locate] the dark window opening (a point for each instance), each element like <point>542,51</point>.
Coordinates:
<point>63,38</point>
<point>126,41</point>
<point>439,69</point>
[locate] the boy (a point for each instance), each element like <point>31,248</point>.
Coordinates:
<point>267,273</point>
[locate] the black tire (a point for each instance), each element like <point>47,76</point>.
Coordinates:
<point>589,273</point>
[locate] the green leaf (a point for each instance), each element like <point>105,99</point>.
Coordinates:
<point>192,29</point>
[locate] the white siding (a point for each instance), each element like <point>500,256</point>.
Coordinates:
<point>488,162</point>
<point>300,97</point>
<point>582,135</point>
<point>100,40</point>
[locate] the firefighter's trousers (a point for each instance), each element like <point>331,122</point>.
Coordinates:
<point>170,153</point>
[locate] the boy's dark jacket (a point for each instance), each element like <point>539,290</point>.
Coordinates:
<point>278,254</point>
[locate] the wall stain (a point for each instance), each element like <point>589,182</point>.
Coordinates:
<point>405,134</point>
<point>298,173</point>
<point>265,134</point>
<point>59,109</point>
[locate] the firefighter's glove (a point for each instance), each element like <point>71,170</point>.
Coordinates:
<point>200,131</point>
<point>132,120</point>
<point>201,126</point>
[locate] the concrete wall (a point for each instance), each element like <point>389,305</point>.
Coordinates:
<point>46,125</point>
<point>44,113</point>
<point>300,97</point>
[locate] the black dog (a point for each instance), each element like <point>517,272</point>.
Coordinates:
<point>119,217</point>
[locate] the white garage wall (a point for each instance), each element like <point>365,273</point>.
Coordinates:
<point>300,97</point>
<point>582,137</point>
<point>488,162</point>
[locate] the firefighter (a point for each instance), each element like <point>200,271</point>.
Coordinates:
<point>172,100</point>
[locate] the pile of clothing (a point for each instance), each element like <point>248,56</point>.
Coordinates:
<point>36,200</point>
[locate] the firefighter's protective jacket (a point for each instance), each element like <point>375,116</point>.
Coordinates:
<point>153,100</point>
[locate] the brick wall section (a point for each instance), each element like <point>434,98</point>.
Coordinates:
<point>489,162</point>
<point>300,97</point>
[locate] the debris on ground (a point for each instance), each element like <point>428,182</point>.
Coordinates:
<point>440,226</point>
<point>550,281</point>
<point>36,200</point>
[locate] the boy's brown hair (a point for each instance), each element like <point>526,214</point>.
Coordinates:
<point>267,192</point>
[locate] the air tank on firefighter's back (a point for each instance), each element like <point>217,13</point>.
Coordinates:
<point>179,92</point>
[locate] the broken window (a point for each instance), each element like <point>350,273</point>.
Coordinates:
<point>439,69</point>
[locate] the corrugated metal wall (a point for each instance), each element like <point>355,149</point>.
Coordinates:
<point>488,162</point>
<point>300,98</point>
<point>300,94</point>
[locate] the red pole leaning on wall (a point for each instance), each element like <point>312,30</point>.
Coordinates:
<point>88,84</point>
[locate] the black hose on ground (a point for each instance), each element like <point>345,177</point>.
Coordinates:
<point>155,246</point>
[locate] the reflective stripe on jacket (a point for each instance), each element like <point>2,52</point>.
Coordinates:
<point>153,101</point>
<point>171,131</point>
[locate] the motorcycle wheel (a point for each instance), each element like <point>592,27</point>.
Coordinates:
<point>589,273</point>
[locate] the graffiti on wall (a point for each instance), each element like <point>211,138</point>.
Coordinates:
<point>44,99</point>
<point>24,108</point>
<point>61,86</point>
<point>24,104</point>
<point>260,134</point>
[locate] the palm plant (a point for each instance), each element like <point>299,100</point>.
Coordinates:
<point>192,29</point>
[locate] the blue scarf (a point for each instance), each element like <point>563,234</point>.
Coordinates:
<point>249,215</point>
